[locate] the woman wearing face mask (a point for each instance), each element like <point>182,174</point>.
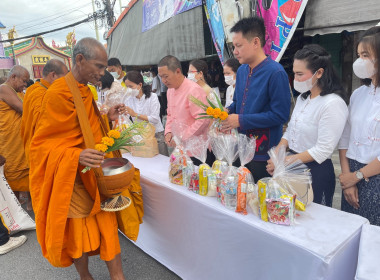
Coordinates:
<point>229,70</point>
<point>318,119</point>
<point>143,105</point>
<point>198,70</point>
<point>359,148</point>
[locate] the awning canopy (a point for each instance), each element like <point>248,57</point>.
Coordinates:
<point>335,16</point>
<point>181,36</point>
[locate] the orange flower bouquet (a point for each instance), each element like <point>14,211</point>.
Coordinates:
<point>115,140</point>
<point>211,111</point>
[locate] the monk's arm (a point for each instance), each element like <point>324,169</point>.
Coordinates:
<point>11,99</point>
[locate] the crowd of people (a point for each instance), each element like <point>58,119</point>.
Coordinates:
<point>45,147</point>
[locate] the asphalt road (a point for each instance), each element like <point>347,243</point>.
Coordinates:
<point>27,263</point>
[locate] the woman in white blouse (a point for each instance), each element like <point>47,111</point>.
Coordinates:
<point>359,148</point>
<point>318,119</point>
<point>143,105</point>
<point>229,70</point>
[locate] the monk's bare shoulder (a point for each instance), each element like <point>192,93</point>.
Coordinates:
<point>5,92</point>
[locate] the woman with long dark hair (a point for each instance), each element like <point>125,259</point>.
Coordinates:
<point>229,70</point>
<point>359,148</point>
<point>318,119</point>
<point>143,105</point>
<point>198,70</point>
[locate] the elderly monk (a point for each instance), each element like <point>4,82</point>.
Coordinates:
<point>53,70</point>
<point>69,222</point>
<point>16,168</point>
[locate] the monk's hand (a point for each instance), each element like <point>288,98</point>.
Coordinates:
<point>91,158</point>
<point>231,122</point>
<point>2,160</point>
<point>115,111</point>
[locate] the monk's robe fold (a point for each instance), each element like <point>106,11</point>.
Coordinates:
<point>54,156</point>
<point>16,169</point>
<point>31,111</point>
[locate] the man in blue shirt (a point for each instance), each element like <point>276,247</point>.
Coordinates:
<point>261,104</point>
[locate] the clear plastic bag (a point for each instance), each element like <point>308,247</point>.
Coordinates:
<point>277,195</point>
<point>294,178</point>
<point>179,157</point>
<point>230,178</point>
<point>219,167</point>
<point>247,148</point>
<point>198,146</point>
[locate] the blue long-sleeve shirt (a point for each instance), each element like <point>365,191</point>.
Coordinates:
<point>262,100</point>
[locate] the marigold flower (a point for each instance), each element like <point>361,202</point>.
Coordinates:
<point>223,115</point>
<point>210,111</point>
<point>101,147</point>
<point>217,111</point>
<point>108,141</point>
<point>114,134</point>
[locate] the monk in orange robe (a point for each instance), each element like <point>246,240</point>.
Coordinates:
<point>16,168</point>
<point>53,70</point>
<point>69,222</point>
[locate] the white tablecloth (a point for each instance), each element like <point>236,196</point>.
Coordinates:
<point>197,238</point>
<point>369,254</point>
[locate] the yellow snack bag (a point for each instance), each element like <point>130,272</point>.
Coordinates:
<point>262,188</point>
<point>203,175</point>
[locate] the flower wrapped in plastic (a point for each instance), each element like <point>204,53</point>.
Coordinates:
<point>230,178</point>
<point>179,157</point>
<point>247,148</point>
<point>198,146</point>
<point>287,190</point>
<point>219,167</point>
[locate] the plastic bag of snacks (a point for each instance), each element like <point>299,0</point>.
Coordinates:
<point>230,178</point>
<point>277,196</point>
<point>219,167</point>
<point>253,198</point>
<point>198,146</point>
<point>178,158</point>
<point>294,177</point>
<point>247,148</point>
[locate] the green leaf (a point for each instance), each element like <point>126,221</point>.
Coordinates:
<point>201,118</point>
<point>209,102</point>
<point>218,100</point>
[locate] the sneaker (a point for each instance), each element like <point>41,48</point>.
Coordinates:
<point>12,243</point>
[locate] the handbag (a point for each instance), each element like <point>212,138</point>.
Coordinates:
<point>150,147</point>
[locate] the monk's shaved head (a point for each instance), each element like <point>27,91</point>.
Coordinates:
<point>56,66</point>
<point>19,71</point>
<point>89,61</point>
<point>18,78</point>
<point>89,48</point>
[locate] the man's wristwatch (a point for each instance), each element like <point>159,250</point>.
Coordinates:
<point>360,176</point>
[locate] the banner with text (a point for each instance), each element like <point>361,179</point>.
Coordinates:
<point>158,11</point>
<point>281,18</point>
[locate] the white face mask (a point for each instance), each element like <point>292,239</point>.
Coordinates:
<point>133,92</point>
<point>115,75</point>
<point>229,80</point>
<point>364,68</point>
<point>304,86</point>
<point>191,77</point>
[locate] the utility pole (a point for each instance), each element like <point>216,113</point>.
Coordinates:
<point>109,12</point>
<point>95,22</point>
<point>120,7</point>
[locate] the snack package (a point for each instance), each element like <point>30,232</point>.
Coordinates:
<point>294,178</point>
<point>179,157</point>
<point>281,210</point>
<point>194,181</point>
<point>253,198</point>
<point>198,146</point>
<point>230,178</point>
<point>219,167</point>
<point>247,148</point>
<point>262,195</point>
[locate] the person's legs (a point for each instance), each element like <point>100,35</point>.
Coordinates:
<point>115,268</point>
<point>7,243</point>
<point>81,266</point>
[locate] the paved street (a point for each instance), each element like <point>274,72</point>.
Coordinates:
<point>27,263</point>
